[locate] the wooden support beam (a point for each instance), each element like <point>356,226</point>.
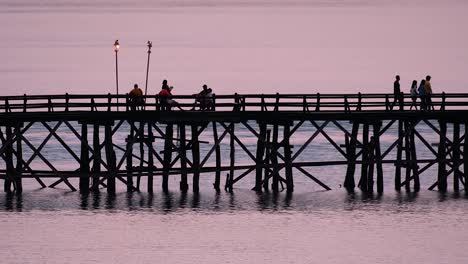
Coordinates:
<point>365,158</point>
<point>274,159</point>
<point>97,158</point>
<point>217,157</point>
<point>150,158</point>
<point>183,159</point>
<point>378,157</point>
<point>414,158</point>
<point>141,141</point>
<point>399,154</point>
<point>110,158</point>
<point>167,156</point>
<point>371,161</point>
<point>408,157</point>
<point>195,159</point>
<point>442,172</point>
<point>457,175</point>
<point>260,157</point>
<point>465,158</point>
<point>288,161</point>
<point>84,158</point>
<point>232,156</point>
<point>19,160</point>
<point>10,169</point>
<point>267,160</point>
<point>349,183</point>
<point>129,156</point>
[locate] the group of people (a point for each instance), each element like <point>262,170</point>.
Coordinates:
<point>203,100</point>
<point>423,91</point>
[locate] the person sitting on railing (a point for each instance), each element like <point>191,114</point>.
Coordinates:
<point>165,97</point>
<point>422,94</point>
<point>414,94</point>
<point>136,97</point>
<point>204,98</point>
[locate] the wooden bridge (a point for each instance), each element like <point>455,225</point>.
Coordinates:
<point>151,149</point>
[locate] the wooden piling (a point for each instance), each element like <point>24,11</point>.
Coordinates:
<point>97,158</point>
<point>349,183</point>
<point>267,172</point>
<point>274,159</point>
<point>19,160</point>
<point>456,157</point>
<point>414,164</point>
<point>441,155</point>
<point>370,172</point>
<point>465,158</point>
<point>408,158</point>
<point>217,157</point>
<point>110,158</point>
<point>129,151</point>
<point>195,159</point>
<point>232,156</point>
<point>399,156</point>
<point>365,157</point>
<point>183,185</point>
<point>141,141</point>
<point>288,161</point>
<point>378,158</point>
<point>167,156</point>
<point>10,169</point>
<point>260,156</point>
<point>84,160</point>
<point>150,158</point>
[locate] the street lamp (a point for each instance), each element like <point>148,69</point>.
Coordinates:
<point>116,49</point>
<point>150,45</point>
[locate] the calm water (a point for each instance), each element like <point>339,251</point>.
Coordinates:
<point>52,46</point>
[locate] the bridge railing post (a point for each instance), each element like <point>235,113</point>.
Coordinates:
<point>359,104</point>
<point>277,102</point>
<point>25,101</point>
<point>402,101</point>
<point>109,100</point>
<point>442,105</point>
<point>317,107</point>
<point>67,101</point>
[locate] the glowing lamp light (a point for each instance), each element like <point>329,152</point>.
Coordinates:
<point>116,46</point>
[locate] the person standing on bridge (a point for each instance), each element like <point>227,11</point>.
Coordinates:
<point>428,88</point>
<point>414,94</point>
<point>422,94</point>
<point>136,97</point>
<point>397,96</point>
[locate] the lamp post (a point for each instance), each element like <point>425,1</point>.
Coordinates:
<point>150,45</point>
<point>116,49</point>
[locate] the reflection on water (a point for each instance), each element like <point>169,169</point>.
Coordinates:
<point>241,200</point>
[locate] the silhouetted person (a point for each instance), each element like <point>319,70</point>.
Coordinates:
<point>428,88</point>
<point>397,96</point>
<point>422,94</point>
<point>165,98</point>
<point>414,94</point>
<point>202,98</point>
<point>136,97</point>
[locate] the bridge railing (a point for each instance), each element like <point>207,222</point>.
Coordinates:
<point>234,102</point>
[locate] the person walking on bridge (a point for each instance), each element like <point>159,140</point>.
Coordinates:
<point>414,94</point>
<point>422,94</point>
<point>428,88</point>
<point>397,96</point>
